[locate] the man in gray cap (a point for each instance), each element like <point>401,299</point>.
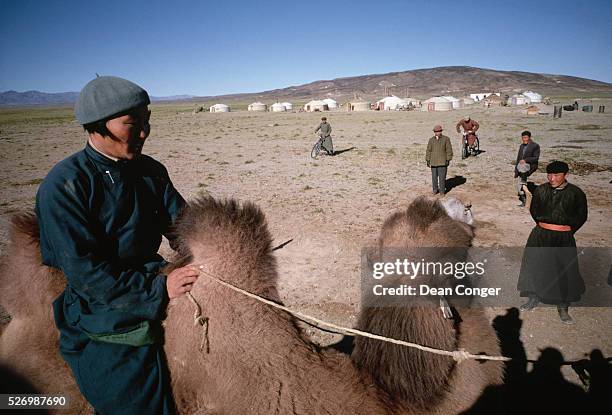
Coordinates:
<point>102,213</point>
<point>438,155</point>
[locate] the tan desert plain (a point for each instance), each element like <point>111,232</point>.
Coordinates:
<point>332,207</point>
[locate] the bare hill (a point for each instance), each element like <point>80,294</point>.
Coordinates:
<point>420,83</point>
<point>450,80</point>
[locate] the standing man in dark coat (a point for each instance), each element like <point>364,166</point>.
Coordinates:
<point>102,213</point>
<point>325,130</point>
<point>526,163</point>
<point>438,155</point>
<point>549,270</point>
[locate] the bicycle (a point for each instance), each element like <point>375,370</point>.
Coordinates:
<point>316,149</point>
<point>467,148</point>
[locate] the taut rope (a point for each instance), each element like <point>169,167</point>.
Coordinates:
<point>459,355</point>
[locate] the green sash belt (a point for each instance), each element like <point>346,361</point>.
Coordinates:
<point>143,334</point>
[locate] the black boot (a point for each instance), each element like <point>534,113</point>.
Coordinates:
<point>531,304</point>
<point>564,315</point>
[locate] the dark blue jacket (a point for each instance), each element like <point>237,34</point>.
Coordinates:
<point>101,223</point>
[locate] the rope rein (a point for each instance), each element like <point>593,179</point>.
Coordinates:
<point>459,355</point>
<point>202,321</point>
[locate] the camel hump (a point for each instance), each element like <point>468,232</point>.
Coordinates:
<point>412,377</point>
<point>428,222</point>
<point>26,284</point>
<point>25,224</point>
<point>423,211</point>
<point>227,220</point>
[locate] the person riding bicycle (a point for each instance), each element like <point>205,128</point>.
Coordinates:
<point>469,130</point>
<point>324,129</point>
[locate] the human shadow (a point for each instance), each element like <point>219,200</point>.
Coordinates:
<point>596,373</point>
<point>544,389</point>
<point>337,152</point>
<point>453,182</point>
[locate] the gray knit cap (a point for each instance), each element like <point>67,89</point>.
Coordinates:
<point>105,96</point>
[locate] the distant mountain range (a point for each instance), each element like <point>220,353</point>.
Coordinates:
<point>37,98</point>
<point>14,98</point>
<point>421,83</point>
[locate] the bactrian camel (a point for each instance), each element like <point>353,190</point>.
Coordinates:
<point>252,358</point>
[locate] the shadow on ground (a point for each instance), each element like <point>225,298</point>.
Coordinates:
<point>453,182</point>
<point>544,390</point>
<point>337,152</point>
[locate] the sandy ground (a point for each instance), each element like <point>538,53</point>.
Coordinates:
<point>334,206</point>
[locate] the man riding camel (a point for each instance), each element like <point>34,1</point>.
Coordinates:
<point>102,213</point>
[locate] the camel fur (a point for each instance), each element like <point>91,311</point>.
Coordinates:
<point>442,386</point>
<point>251,358</point>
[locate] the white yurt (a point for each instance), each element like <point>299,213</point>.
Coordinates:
<point>415,102</point>
<point>493,99</point>
<point>219,108</point>
<point>358,105</point>
<point>467,101</point>
<point>437,104</point>
<point>457,103</point>
<point>278,107</point>
<point>257,106</point>
<point>331,104</point>
<point>534,97</point>
<point>482,95</point>
<point>519,99</point>
<point>288,106</point>
<point>391,103</point>
<point>315,105</point>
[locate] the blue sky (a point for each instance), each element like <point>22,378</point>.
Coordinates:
<point>211,48</point>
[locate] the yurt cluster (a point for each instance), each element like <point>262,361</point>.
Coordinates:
<point>394,103</point>
<point>276,107</point>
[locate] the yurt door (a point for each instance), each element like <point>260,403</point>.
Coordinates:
<point>431,106</point>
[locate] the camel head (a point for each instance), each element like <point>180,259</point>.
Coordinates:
<point>458,211</point>
<point>429,222</point>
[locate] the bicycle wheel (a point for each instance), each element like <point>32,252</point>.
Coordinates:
<point>464,150</point>
<point>316,149</point>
